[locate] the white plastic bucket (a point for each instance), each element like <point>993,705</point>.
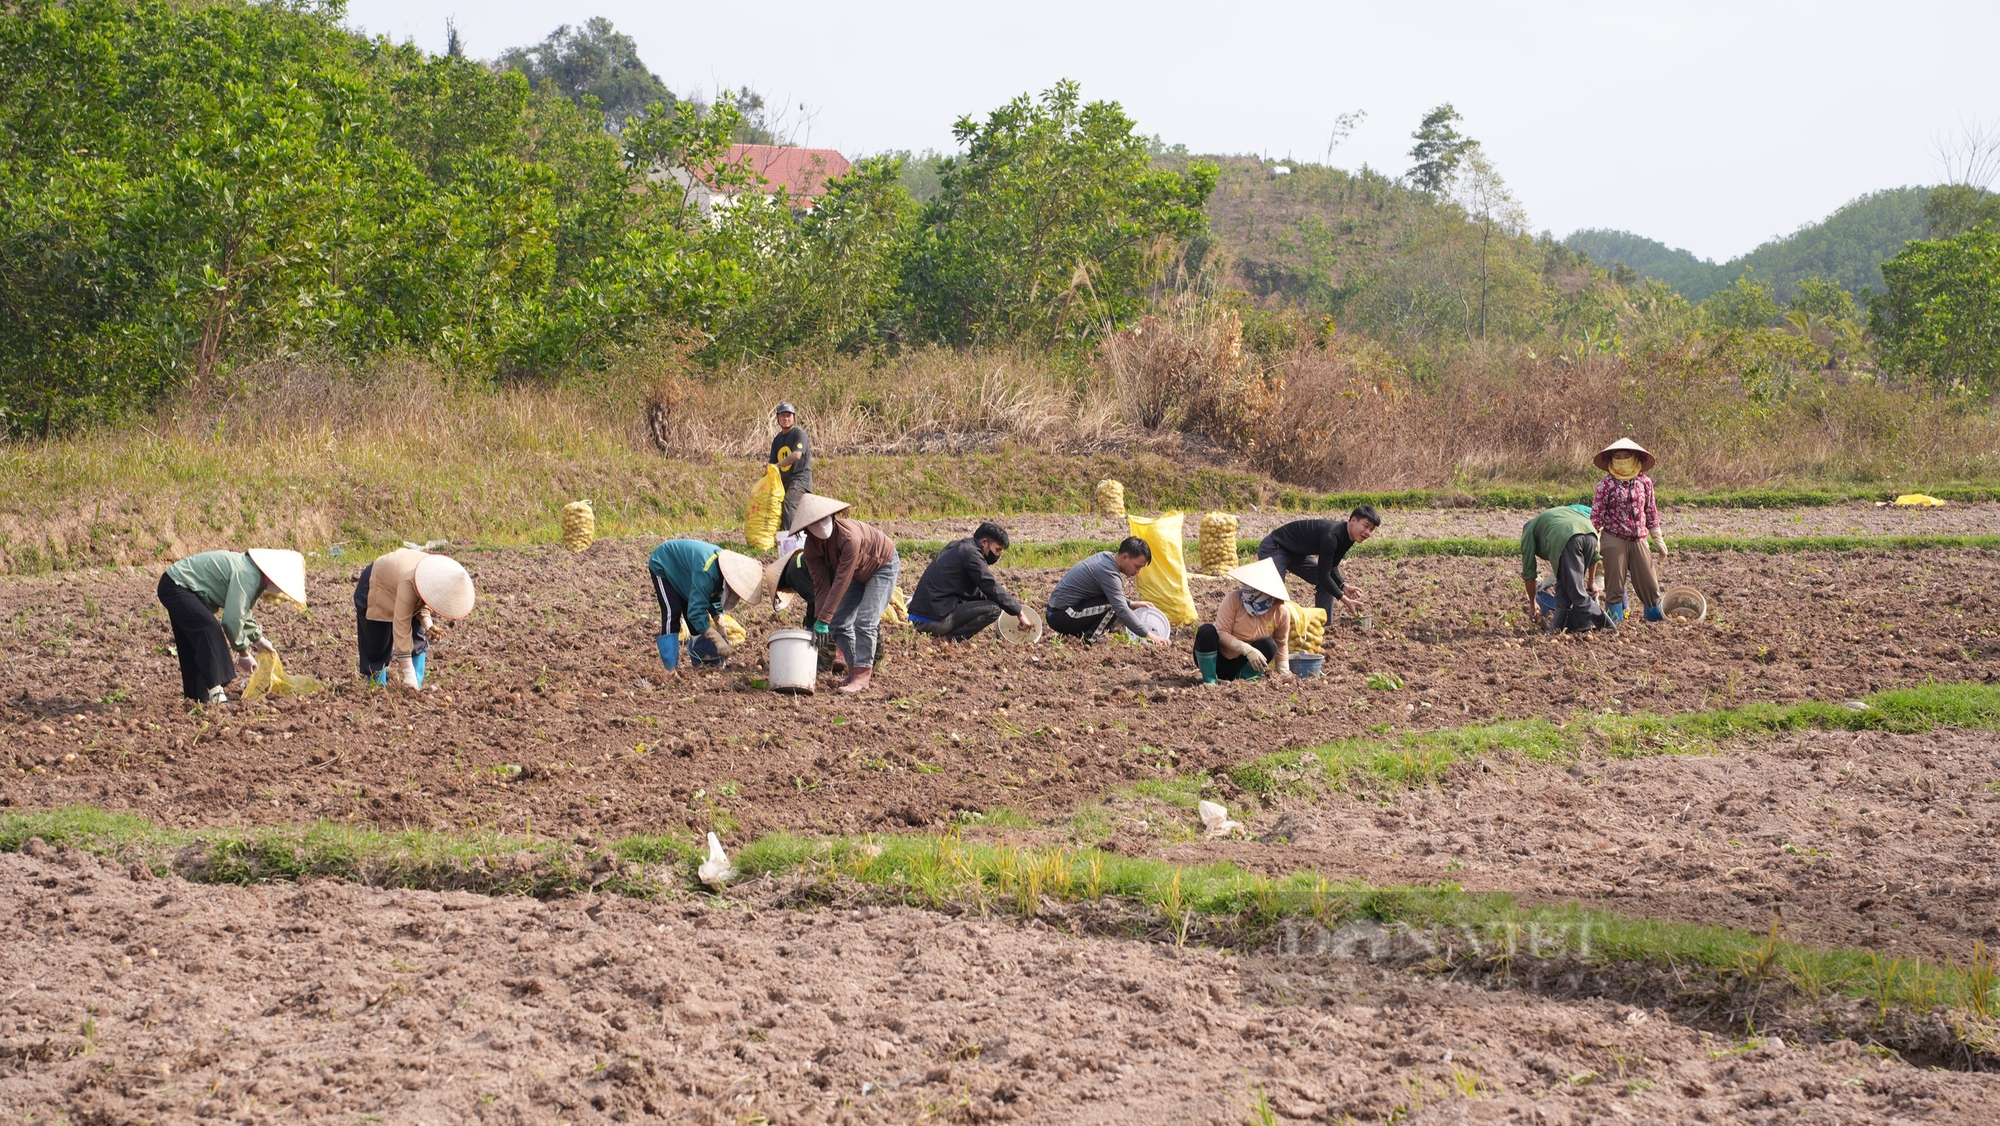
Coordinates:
<point>794,661</point>
<point>1155,621</point>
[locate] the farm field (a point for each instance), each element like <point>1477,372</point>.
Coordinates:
<point>550,718</point>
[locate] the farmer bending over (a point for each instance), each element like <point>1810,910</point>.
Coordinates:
<point>958,595</point>
<point>854,568</point>
<point>1092,595</point>
<point>393,604</point>
<point>198,589</point>
<point>697,583</point>
<point>1313,549</point>
<point>1564,536</point>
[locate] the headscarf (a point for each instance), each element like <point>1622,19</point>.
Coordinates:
<point>1256,601</point>
<point>1625,466</point>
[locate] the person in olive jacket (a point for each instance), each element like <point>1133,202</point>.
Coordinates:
<point>958,595</point>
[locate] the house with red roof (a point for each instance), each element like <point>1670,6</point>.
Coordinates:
<point>802,173</point>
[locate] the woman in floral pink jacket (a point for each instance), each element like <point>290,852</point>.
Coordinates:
<point>1626,516</point>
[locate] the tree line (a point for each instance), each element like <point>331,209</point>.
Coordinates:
<point>185,185</point>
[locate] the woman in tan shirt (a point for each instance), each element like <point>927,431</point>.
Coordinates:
<point>1252,629</point>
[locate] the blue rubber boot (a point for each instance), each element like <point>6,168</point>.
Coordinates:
<point>1617,612</point>
<point>379,676</point>
<point>1654,614</point>
<point>670,650</point>
<point>704,653</point>
<point>417,662</point>
<point>1206,663</point>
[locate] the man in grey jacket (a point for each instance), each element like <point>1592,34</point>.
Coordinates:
<point>1092,595</point>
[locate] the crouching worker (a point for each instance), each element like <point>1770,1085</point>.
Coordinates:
<point>394,602</point>
<point>225,584</point>
<point>958,595</point>
<point>1564,536</point>
<point>1252,628</point>
<point>854,568</point>
<point>1092,595</point>
<point>1313,549</point>
<point>696,583</point>
<point>788,573</point>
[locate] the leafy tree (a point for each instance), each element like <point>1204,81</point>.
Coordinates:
<point>1746,304</point>
<point>1439,149</point>
<point>1953,209</point>
<point>592,61</point>
<point>1940,317</point>
<point>1051,224</point>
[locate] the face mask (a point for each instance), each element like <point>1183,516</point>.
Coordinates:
<point>820,528</point>
<point>991,557</point>
<point>1256,601</point>
<point>1625,467</point>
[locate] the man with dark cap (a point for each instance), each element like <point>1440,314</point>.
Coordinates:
<point>958,595</point>
<point>791,452</point>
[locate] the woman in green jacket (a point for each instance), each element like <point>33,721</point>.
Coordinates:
<point>208,598</point>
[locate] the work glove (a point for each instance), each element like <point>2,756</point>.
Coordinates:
<point>406,673</point>
<point>263,645</point>
<point>1660,538</point>
<point>1284,662</point>
<point>821,628</point>
<point>716,638</point>
<point>245,664</point>
<point>1255,657</point>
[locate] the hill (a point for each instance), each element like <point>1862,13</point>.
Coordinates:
<point>1848,247</point>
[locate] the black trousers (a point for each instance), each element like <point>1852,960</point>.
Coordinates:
<point>1289,564</point>
<point>1574,601</point>
<point>1087,620</point>
<point>967,619</point>
<point>1208,640</point>
<point>206,659</point>
<point>673,604</point>
<point>375,642</point>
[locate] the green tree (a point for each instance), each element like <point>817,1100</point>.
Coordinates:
<point>594,61</point>
<point>1743,305</point>
<point>1953,209</point>
<point>1051,224</point>
<point>1940,318</point>
<point>1439,149</point>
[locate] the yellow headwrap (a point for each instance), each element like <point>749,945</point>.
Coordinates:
<point>1625,466</point>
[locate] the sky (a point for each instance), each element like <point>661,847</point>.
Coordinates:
<point>1710,126</point>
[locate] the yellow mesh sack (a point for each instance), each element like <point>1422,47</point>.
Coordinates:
<point>766,512</point>
<point>1111,499</point>
<point>1218,542</point>
<point>579,525</point>
<point>1163,582</point>
<point>1308,628</point>
<point>270,679</point>
<point>898,609</point>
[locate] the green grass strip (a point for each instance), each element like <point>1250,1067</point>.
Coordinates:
<point>939,870</point>
<point>1549,495</point>
<point>1426,758</point>
<point>1068,553</point>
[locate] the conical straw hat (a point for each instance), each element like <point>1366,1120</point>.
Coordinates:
<point>285,569</point>
<point>1603,458</point>
<point>815,508</point>
<point>1262,576</point>
<point>742,574</point>
<point>444,586</point>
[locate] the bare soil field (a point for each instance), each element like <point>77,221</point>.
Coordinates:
<point>555,674</point>
<point>1860,519</point>
<point>136,999</point>
<point>1879,841</point>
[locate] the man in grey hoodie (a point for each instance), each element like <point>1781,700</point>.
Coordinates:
<point>1092,595</point>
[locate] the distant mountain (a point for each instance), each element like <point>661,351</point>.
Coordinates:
<point>1848,246</point>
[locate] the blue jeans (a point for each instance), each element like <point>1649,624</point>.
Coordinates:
<point>857,623</point>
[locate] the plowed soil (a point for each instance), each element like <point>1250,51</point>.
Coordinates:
<point>555,673</point>
<point>1887,842</point>
<point>160,1001</point>
<point>1860,519</point>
